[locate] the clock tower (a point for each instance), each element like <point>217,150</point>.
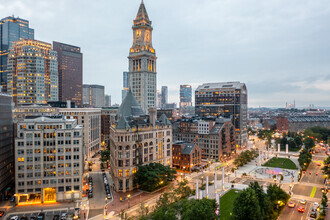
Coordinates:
<point>142,61</point>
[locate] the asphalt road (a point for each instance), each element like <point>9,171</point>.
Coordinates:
<point>292,213</point>
<point>96,204</point>
<point>310,186</point>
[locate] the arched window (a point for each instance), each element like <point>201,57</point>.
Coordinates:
<point>127,147</point>
<point>146,144</point>
<point>150,143</point>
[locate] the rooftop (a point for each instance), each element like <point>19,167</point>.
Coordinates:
<point>221,85</point>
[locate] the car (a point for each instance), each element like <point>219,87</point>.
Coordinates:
<point>316,174</point>
<point>319,164</point>
<point>41,216</point>
<point>56,217</point>
<point>14,217</point>
<point>310,173</point>
<point>33,218</point>
<point>90,195</point>
<point>63,216</point>
<point>301,209</point>
<point>1,213</point>
<point>303,201</point>
<point>313,215</point>
<point>23,218</point>
<point>291,204</point>
<point>109,196</point>
<point>316,204</point>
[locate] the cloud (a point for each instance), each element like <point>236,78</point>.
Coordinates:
<point>277,47</point>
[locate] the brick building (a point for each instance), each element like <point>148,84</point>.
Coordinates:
<point>300,123</point>
<point>186,155</point>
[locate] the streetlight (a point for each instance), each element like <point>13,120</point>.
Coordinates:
<point>128,196</point>
<point>202,180</point>
<point>184,172</point>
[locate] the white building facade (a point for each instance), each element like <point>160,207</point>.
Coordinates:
<point>48,160</point>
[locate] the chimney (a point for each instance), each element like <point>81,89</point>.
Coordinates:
<point>152,115</point>
<point>68,103</point>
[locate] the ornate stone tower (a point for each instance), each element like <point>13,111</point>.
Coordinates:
<point>142,61</point>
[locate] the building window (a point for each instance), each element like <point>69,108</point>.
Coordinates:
<point>127,172</point>
<point>120,173</point>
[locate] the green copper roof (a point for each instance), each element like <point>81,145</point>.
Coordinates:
<point>130,107</point>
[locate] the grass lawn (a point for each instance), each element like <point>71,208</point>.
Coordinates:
<point>227,204</point>
<point>281,163</point>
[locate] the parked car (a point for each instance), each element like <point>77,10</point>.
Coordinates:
<point>2,213</point>
<point>14,217</point>
<point>303,201</point>
<point>63,216</point>
<point>41,216</point>
<point>33,218</point>
<point>56,217</point>
<point>313,215</point>
<point>109,196</point>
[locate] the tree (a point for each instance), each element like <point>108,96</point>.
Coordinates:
<point>309,143</point>
<point>198,209</point>
<point>105,155</point>
<point>304,159</point>
<point>183,190</point>
<point>153,176</point>
<point>298,140</point>
<point>265,206</point>
<point>326,168</point>
<point>275,194</point>
<point>246,206</point>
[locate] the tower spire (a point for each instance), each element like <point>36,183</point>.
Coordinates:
<point>142,14</point>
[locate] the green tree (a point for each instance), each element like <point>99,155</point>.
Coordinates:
<point>298,140</point>
<point>246,206</point>
<point>153,176</point>
<point>198,209</point>
<point>183,190</point>
<point>326,167</point>
<point>304,159</point>
<point>309,143</point>
<point>105,155</point>
<point>275,194</point>
<point>265,206</point>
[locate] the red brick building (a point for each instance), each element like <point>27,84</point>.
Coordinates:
<point>186,155</point>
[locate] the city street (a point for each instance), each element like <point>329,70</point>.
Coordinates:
<point>48,214</point>
<point>308,188</point>
<point>292,213</point>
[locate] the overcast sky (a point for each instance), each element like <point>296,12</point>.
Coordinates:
<point>280,49</point>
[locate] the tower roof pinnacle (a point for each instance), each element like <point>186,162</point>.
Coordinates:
<point>142,15</point>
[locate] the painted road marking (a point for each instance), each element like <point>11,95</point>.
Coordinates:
<point>313,192</point>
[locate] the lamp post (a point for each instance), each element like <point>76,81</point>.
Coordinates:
<point>128,196</point>
<point>184,172</point>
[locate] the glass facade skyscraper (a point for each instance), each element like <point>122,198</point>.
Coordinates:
<point>185,95</point>
<point>164,96</point>
<point>70,72</point>
<point>11,29</point>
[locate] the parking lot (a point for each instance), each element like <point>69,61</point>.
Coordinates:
<point>49,215</point>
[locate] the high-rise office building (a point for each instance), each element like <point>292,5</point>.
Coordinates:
<point>70,72</point>
<point>107,101</point>
<point>49,160</point>
<point>32,72</point>
<point>185,95</point>
<point>125,85</point>
<point>90,119</point>
<point>93,95</point>
<point>142,61</point>
<point>11,29</point>
<point>164,96</point>
<point>6,145</point>
<point>226,99</point>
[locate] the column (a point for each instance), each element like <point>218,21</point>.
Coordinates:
<point>215,181</point>
<point>201,194</point>
<point>207,187</point>
<point>223,178</point>
<point>286,148</point>
<point>196,189</point>
<point>278,148</point>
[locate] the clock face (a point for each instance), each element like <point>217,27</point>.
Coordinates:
<point>138,33</point>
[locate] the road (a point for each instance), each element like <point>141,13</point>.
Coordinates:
<point>96,204</point>
<point>292,213</point>
<point>308,188</point>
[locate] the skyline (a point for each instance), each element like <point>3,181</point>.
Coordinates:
<point>284,45</point>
